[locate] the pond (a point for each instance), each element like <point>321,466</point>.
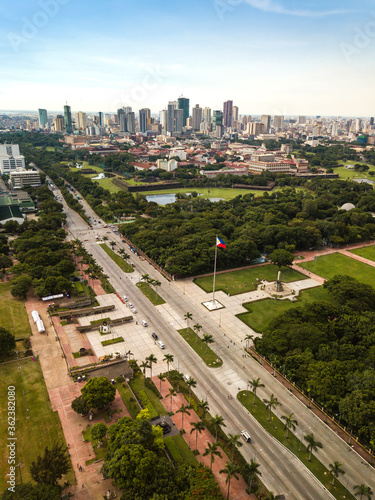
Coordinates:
<point>165,199</point>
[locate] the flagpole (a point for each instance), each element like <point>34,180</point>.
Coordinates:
<point>213,295</point>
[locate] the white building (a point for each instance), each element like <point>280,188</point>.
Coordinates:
<point>168,165</point>
<point>21,178</point>
<point>271,166</point>
<point>10,158</point>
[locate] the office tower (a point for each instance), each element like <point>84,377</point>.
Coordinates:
<point>178,120</point>
<point>217,119</point>
<point>372,120</point>
<point>197,117</point>
<point>68,119</point>
<point>235,113</point>
<point>266,120</point>
<point>43,120</point>
<point>10,158</point>
<point>206,116</point>
<point>255,128</point>
<point>101,119</point>
<point>172,105</point>
<point>127,109</point>
<point>81,120</point>
<point>59,123</point>
<point>163,118</point>
<point>228,114</point>
<point>301,120</point>
<point>130,122</point>
<point>278,122</point>
<point>183,103</point>
<point>358,125</point>
<point>121,119</point>
<point>144,119</point>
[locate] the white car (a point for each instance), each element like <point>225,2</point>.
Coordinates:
<point>134,310</point>
<point>161,345</point>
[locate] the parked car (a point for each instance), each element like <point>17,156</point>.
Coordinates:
<point>161,345</point>
<point>154,336</point>
<point>144,323</point>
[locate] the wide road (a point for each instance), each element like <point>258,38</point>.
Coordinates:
<point>281,471</point>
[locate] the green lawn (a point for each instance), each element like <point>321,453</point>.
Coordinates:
<point>41,429</point>
<point>245,280</point>
<point>328,266</point>
<point>137,385</point>
<point>262,312</point>
<point>224,193</point>
<point>127,268</point>
<point>345,173</point>
<point>276,428</point>
<point>100,452</point>
<point>112,341</point>
<point>150,293</point>
<point>127,397</point>
<point>366,252</point>
<point>207,354</point>
<point>180,451</point>
<point>13,316</point>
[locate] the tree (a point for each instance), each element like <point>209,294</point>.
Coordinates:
<point>335,469</point>
<point>362,489</point>
<point>204,406</point>
<point>312,445</point>
<point>161,378</point>
<point>177,377</point>
<point>250,471</point>
<point>98,431</point>
<point>197,329</point>
<point>231,470</point>
<point>29,491</point>
<point>51,466</point>
<point>212,451</point>
<point>218,422</point>
<point>271,404</point>
<point>183,409</point>
<point>5,262</point>
<point>281,258</point>
<point>98,392</point>
<point>188,316</point>
<point>171,394</point>
<point>235,442</point>
<point>80,406</point>
<point>191,383</point>
<point>290,423</point>
<point>7,342</point>
<point>249,338</point>
<point>207,339</point>
<point>144,365</point>
<point>255,384</point>
<point>197,427</point>
<point>151,359</point>
<point>21,286</point>
<point>112,243</point>
<point>169,359</point>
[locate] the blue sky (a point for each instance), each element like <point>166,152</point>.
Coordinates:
<point>270,56</point>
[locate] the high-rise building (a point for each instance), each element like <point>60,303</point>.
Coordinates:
<point>144,119</point>
<point>59,123</point>
<point>266,120</point>
<point>206,116</point>
<point>358,125</point>
<point>183,103</point>
<point>178,120</point>
<point>43,119</point>
<point>130,122</point>
<point>101,119</point>
<point>163,118</point>
<point>301,120</point>
<point>122,120</point>
<point>372,120</point>
<point>197,117</point>
<point>68,119</point>
<point>81,120</point>
<point>172,105</point>
<point>235,113</point>
<point>217,119</point>
<point>228,114</point>
<point>278,122</point>
<point>10,158</point>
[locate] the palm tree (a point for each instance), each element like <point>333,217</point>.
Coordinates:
<point>112,243</point>
<point>312,444</point>
<point>197,329</point>
<point>197,427</point>
<point>187,317</point>
<point>145,278</point>
<point>105,238</point>
<point>144,365</point>
<point>271,496</point>
<point>231,470</point>
<point>183,409</point>
<point>121,251</point>
<point>363,489</point>
<point>290,423</point>
<point>156,283</point>
<point>171,394</point>
<point>169,359</point>
<point>250,470</point>
<point>247,338</point>
<point>129,353</point>
<point>177,377</point>
<point>212,451</point>
<point>235,442</point>
<point>255,384</point>
<point>161,377</point>
<point>151,359</point>
<point>335,469</point>
<point>191,383</point>
<point>207,339</point>
<point>204,406</point>
<point>218,422</point>
<point>271,404</point>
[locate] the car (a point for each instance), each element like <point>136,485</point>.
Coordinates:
<point>165,427</point>
<point>125,298</point>
<point>123,241</point>
<point>161,345</point>
<point>154,336</point>
<point>246,436</point>
<point>144,323</point>
<point>134,310</point>
<point>187,377</point>
<point>130,305</point>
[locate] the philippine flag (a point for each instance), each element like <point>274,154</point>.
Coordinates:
<point>220,243</point>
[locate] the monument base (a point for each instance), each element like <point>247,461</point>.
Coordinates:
<point>213,305</point>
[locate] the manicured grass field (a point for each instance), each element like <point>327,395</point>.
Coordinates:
<point>262,312</point>
<point>345,173</point>
<point>224,193</point>
<point>127,397</point>
<point>138,384</point>
<point>41,429</point>
<point>245,280</point>
<point>150,293</point>
<point>127,268</point>
<point>207,354</point>
<point>328,266</point>
<point>179,450</point>
<point>13,316</point>
<point>275,427</point>
<point>112,341</point>
<point>366,252</point>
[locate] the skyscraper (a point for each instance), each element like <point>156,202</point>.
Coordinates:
<point>183,103</point>
<point>59,123</point>
<point>172,105</point>
<point>130,122</point>
<point>228,114</point>
<point>235,113</point>
<point>266,120</point>
<point>163,118</point>
<point>206,115</point>
<point>278,121</point>
<point>81,120</point>
<point>68,119</point>
<point>101,119</point>
<point>144,119</point>
<point>178,120</point>
<point>217,119</point>
<point>122,120</point>
<point>197,117</point>
<point>43,119</point>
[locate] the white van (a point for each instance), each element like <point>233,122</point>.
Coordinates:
<point>161,345</point>
<point>144,323</point>
<point>246,436</point>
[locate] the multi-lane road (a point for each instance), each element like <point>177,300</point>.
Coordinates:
<point>282,472</point>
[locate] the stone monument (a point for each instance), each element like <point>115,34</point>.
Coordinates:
<point>279,287</point>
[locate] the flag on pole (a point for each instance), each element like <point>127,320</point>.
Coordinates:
<point>220,243</point>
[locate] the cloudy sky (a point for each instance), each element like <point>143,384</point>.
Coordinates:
<point>269,56</point>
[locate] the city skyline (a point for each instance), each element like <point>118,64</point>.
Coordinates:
<point>278,58</point>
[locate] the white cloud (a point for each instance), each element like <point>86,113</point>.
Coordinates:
<point>271,6</point>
